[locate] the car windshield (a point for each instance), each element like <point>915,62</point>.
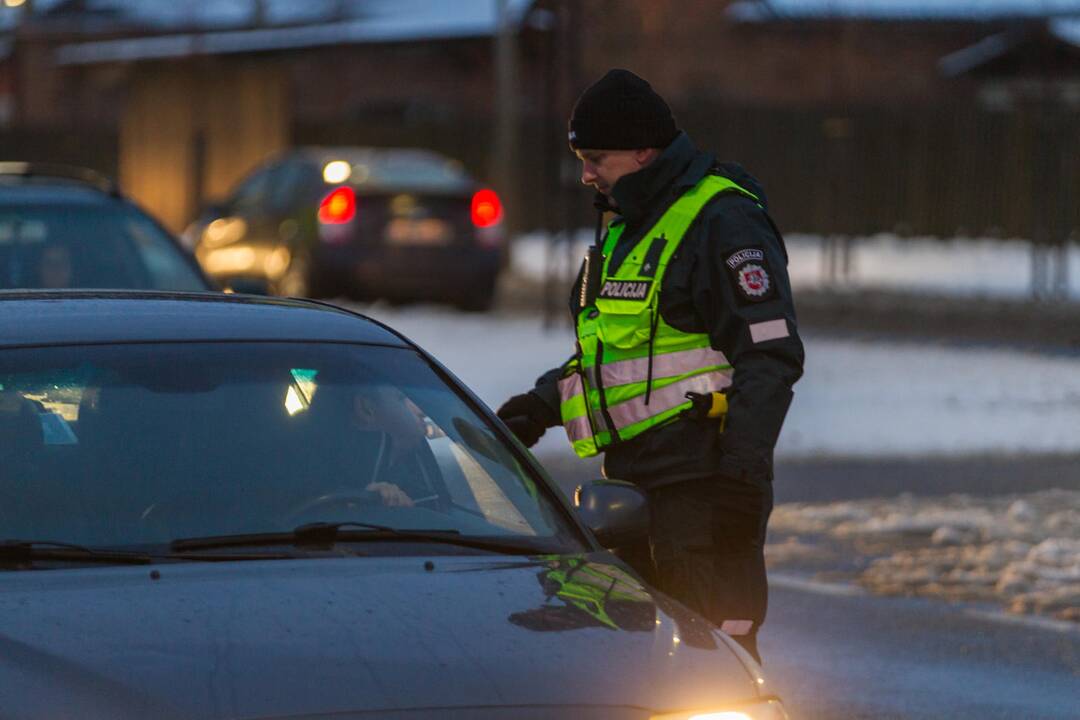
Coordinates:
<point>89,246</point>
<point>136,446</point>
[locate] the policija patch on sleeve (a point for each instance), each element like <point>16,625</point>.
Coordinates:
<point>750,274</point>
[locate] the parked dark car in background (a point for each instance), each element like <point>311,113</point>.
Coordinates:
<point>219,506</point>
<point>403,224</point>
<point>64,227</point>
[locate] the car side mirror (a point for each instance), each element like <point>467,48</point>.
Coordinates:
<point>615,510</point>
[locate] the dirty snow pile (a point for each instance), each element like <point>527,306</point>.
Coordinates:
<point>1021,551</point>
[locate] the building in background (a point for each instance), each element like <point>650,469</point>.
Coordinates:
<point>861,115</point>
<point>198,93</point>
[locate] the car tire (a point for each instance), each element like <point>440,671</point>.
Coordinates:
<point>480,298</point>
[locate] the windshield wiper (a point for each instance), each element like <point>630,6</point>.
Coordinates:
<point>25,551</point>
<point>324,533</point>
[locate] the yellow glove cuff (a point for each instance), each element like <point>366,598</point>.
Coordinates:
<point>719,405</point>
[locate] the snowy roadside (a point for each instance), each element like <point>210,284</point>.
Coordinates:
<point>961,267</point>
<point>1021,552</point>
<point>857,399</point>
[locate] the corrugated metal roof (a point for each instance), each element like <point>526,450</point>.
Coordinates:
<point>380,21</point>
<point>900,10</point>
<point>221,15</point>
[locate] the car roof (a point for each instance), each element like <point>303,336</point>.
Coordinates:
<point>50,191</point>
<point>74,317</point>
<point>20,173</point>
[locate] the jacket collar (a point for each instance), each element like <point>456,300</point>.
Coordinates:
<point>678,167</point>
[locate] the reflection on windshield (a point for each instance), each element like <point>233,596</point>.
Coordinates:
<point>137,445</point>
<point>301,391</point>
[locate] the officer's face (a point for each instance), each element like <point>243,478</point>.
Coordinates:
<point>601,169</point>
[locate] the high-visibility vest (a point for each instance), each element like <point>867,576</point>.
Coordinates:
<point>632,370</point>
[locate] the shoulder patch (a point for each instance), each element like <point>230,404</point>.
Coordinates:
<point>750,273</point>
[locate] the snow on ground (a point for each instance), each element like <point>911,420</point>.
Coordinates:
<point>868,399</point>
<point>957,267</point>
<point>856,398</point>
<point>1020,551</point>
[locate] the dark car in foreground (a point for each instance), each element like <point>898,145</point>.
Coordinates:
<point>63,227</point>
<point>400,223</point>
<point>218,506</point>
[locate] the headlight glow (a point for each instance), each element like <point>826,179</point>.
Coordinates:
<point>768,710</point>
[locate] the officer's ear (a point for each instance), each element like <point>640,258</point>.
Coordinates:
<point>645,156</point>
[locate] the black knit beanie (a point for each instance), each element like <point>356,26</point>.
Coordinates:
<point>621,111</point>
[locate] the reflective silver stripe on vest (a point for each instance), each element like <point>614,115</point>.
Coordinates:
<point>625,372</point>
<point>570,386</point>
<point>578,429</point>
<point>635,410</point>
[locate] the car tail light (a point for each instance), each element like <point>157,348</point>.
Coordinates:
<point>487,210</point>
<point>338,207</point>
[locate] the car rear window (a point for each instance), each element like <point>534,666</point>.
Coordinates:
<point>405,169</point>
<point>89,246</point>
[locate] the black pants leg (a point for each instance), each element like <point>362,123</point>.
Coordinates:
<point>707,541</point>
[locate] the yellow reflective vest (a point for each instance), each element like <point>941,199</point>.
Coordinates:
<point>632,371</point>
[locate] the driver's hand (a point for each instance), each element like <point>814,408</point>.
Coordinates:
<point>390,495</point>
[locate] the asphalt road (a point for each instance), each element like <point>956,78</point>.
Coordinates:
<point>833,652</point>
<point>837,657</point>
<point>828,479</point>
<point>839,479</point>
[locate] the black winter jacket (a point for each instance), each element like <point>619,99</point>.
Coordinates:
<point>702,292</point>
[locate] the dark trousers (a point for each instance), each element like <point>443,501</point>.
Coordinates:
<point>707,549</point>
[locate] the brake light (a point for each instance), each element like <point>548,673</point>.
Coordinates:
<point>338,207</point>
<point>486,208</point>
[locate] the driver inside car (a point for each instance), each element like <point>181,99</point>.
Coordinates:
<point>401,474</point>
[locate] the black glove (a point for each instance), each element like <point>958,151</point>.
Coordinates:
<point>527,416</point>
<point>743,463</point>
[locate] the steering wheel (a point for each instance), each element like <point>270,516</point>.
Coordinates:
<point>345,499</point>
<point>327,506</point>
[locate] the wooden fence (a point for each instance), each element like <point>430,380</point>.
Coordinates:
<point>942,172</point>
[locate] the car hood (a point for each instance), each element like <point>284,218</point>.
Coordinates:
<point>338,635</point>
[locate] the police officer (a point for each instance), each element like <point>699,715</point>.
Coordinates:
<point>687,350</point>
